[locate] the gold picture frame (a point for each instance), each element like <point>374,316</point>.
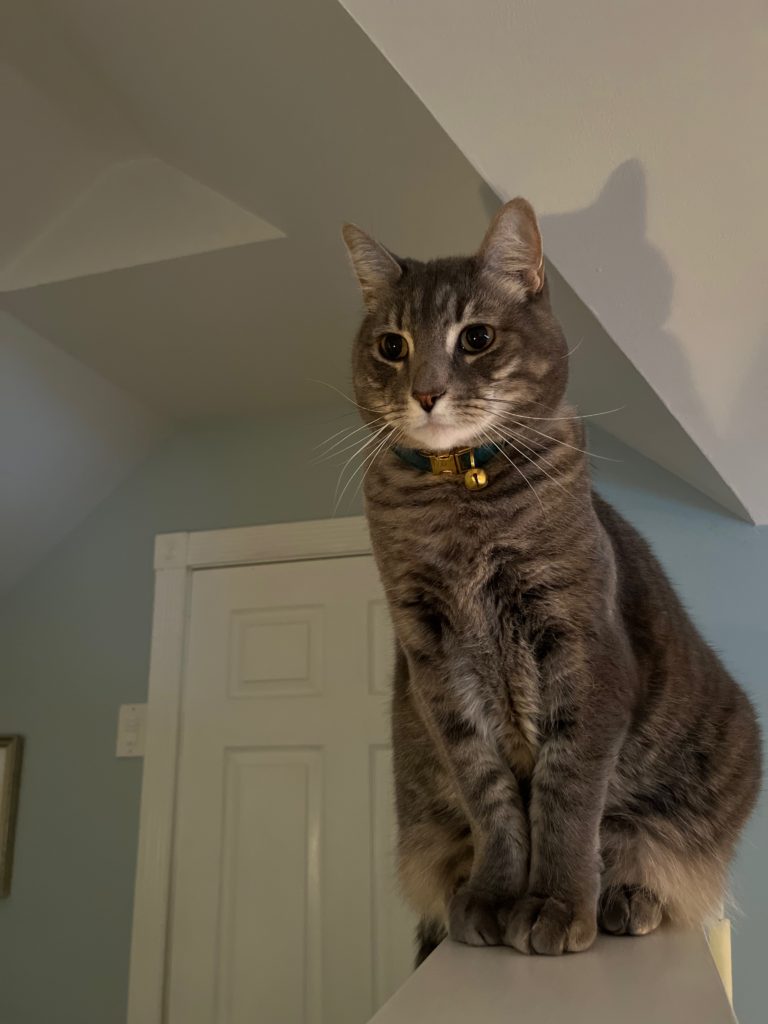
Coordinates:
<point>10,778</point>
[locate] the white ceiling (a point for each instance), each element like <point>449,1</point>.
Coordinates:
<point>173,179</point>
<point>640,130</point>
<point>214,91</point>
<point>137,211</point>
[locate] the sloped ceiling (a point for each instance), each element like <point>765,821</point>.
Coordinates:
<point>173,179</point>
<point>639,130</point>
<point>137,211</point>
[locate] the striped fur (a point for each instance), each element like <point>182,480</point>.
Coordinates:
<point>567,746</point>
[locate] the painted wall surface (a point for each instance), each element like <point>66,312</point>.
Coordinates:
<point>68,436</point>
<point>74,641</point>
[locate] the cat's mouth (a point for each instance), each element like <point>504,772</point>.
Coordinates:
<point>444,430</point>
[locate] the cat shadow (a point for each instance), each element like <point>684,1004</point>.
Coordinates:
<point>603,248</point>
<point>746,423</point>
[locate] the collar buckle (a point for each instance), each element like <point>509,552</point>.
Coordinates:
<point>450,463</point>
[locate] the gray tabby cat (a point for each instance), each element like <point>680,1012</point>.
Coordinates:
<point>568,750</point>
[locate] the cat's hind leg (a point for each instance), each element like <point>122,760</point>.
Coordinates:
<point>429,935</point>
<point>434,860</point>
<point>629,903</point>
<point>629,910</point>
<point>648,877</point>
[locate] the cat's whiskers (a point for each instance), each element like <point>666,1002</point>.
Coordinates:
<point>338,391</point>
<point>551,419</point>
<point>338,415</point>
<point>505,429</point>
<point>394,441</point>
<point>579,415</point>
<point>508,438</point>
<point>332,453</point>
<point>358,451</point>
<point>370,456</point>
<point>574,349</point>
<point>494,441</point>
<point>557,440</point>
<point>348,431</point>
<point>510,419</point>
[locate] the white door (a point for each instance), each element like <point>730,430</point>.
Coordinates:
<point>284,908</point>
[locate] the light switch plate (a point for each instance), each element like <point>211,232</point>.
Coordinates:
<point>131,730</point>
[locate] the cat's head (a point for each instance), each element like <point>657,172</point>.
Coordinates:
<point>449,348</point>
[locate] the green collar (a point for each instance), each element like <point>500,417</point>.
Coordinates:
<point>466,462</point>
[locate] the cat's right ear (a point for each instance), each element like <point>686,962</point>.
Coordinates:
<point>375,267</point>
<point>512,247</point>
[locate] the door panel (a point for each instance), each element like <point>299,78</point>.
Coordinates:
<point>282,790</point>
<point>284,907</point>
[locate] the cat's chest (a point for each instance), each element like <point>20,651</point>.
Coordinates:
<point>472,615</point>
<point>458,590</point>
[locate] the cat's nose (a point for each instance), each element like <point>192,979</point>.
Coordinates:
<point>426,400</point>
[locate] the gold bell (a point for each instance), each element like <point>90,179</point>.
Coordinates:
<point>475,479</point>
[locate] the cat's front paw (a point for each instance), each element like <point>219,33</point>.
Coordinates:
<point>548,925</point>
<point>474,918</point>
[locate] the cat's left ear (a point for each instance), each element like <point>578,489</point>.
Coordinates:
<point>376,268</point>
<point>512,246</point>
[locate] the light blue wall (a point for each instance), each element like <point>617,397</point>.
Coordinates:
<point>74,645</point>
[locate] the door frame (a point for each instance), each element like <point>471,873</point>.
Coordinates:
<point>177,557</point>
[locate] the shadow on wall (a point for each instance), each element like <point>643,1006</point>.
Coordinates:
<point>609,236</point>
<point>750,401</point>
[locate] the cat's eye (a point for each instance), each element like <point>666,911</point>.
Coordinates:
<point>393,347</point>
<point>476,338</point>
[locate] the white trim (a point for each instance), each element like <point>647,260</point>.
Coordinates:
<point>171,550</point>
<point>283,542</point>
<point>177,556</point>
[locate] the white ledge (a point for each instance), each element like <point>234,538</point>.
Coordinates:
<point>665,978</point>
